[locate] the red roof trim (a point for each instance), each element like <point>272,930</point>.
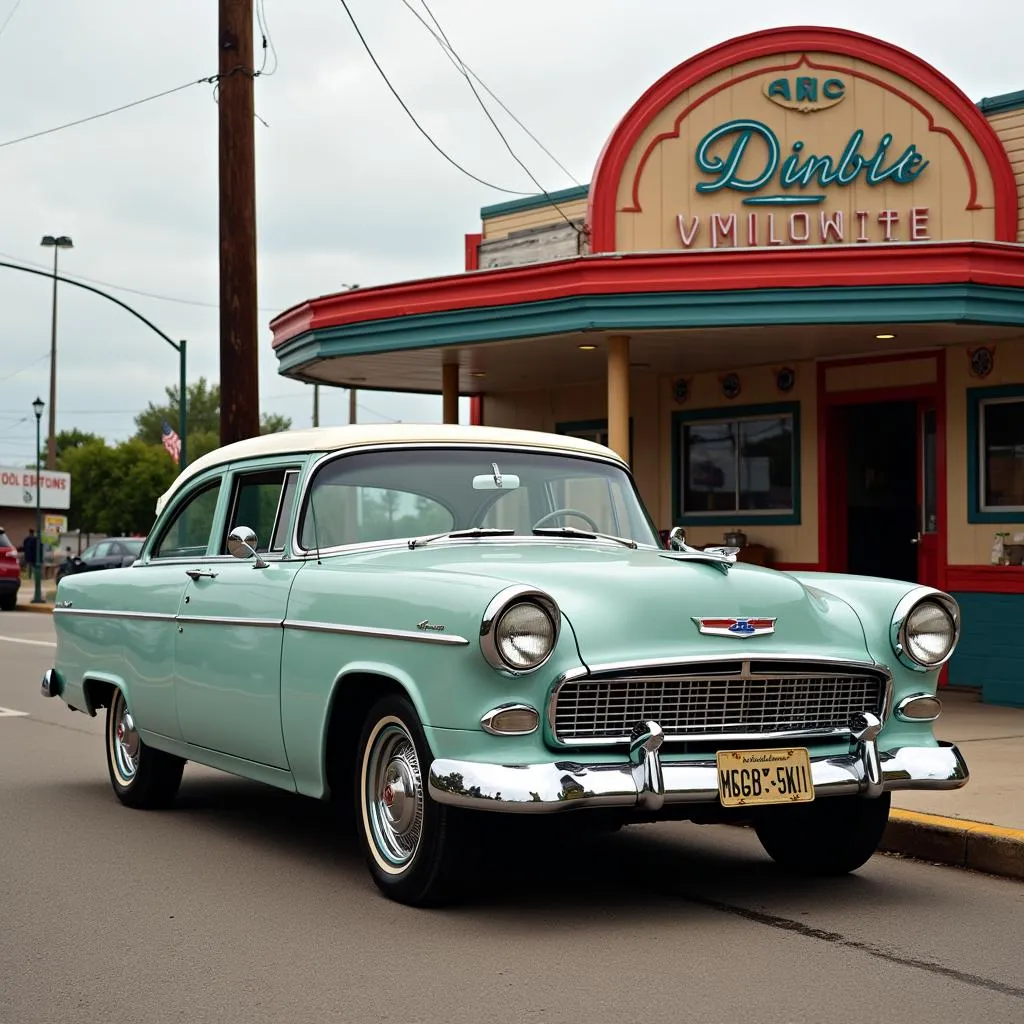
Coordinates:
<point>610,165</point>
<point>992,263</point>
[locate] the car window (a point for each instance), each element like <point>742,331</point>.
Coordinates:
<point>258,504</point>
<point>131,547</point>
<point>5,540</point>
<point>404,493</point>
<point>89,552</point>
<point>103,549</point>
<point>187,535</point>
<point>284,517</point>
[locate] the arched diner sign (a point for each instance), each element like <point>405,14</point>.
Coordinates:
<point>801,137</point>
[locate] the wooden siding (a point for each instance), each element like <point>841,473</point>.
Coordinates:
<point>1009,126</point>
<point>536,217</point>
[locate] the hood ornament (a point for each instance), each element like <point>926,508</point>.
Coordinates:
<point>740,626</point>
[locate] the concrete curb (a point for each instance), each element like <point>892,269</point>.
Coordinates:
<point>46,608</point>
<point>956,841</point>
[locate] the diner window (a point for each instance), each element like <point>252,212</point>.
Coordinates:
<point>738,465</point>
<point>997,463</point>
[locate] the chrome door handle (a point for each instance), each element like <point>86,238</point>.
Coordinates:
<point>197,573</point>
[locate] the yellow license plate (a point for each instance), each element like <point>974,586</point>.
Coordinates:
<point>753,777</point>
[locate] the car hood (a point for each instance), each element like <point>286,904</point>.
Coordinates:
<point>630,605</point>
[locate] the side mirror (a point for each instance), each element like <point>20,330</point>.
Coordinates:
<point>242,543</point>
<point>677,539</point>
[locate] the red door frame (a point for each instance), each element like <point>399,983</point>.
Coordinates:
<point>832,443</point>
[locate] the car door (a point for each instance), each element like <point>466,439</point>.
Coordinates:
<point>230,633</point>
<point>149,624</point>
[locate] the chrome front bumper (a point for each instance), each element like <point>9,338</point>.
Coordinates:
<point>647,782</point>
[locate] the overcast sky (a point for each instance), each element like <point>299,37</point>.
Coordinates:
<point>348,191</point>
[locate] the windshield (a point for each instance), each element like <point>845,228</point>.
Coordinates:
<point>406,493</point>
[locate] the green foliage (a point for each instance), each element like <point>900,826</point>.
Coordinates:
<point>203,415</point>
<point>114,489</point>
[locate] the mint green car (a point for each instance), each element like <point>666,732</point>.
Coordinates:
<point>434,624</point>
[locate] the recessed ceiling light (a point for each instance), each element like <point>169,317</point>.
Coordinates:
<point>639,366</point>
<point>587,348</point>
<point>885,337</point>
<point>478,374</point>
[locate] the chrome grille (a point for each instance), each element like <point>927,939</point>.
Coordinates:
<point>748,704</point>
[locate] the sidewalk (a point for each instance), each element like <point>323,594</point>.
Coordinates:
<point>980,826</point>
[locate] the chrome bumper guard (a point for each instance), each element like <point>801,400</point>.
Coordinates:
<point>647,782</point>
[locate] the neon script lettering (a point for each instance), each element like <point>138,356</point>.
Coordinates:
<point>743,170</point>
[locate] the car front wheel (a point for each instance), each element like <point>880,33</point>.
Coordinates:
<point>142,777</point>
<point>827,837</point>
<point>416,849</point>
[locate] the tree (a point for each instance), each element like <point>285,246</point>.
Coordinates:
<point>114,489</point>
<point>203,419</point>
<point>68,439</point>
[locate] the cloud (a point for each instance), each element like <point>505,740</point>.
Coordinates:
<point>348,191</point>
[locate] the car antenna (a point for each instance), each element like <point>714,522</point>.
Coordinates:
<point>316,536</point>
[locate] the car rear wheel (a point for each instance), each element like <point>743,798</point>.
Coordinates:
<point>9,602</point>
<point>142,777</point>
<point>827,837</point>
<point>416,849</point>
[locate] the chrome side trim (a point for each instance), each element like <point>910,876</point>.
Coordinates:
<point>566,785</point>
<point>229,620</point>
<point>105,613</point>
<point>599,671</point>
<point>385,634</point>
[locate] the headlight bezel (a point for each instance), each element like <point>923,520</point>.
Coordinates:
<point>496,610</point>
<point>901,618</point>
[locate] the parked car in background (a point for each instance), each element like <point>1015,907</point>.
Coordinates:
<point>444,622</point>
<point>112,553</point>
<point>10,573</point>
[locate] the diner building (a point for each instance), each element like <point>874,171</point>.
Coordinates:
<point>792,297</point>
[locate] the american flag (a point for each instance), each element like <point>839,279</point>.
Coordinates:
<point>172,442</point>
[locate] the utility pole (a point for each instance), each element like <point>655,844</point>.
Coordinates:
<point>239,356</point>
<point>316,405</point>
<point>351,405</point>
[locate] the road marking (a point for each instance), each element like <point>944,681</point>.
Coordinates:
<point>34,643</point>
<point>11,713</point>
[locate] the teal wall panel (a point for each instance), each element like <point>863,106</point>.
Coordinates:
<point>990,654</point>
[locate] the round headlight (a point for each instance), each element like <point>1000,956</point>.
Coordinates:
<point>925,629</point>
<point>524,635</point>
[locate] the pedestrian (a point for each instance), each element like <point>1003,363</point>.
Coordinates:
<point>31,548</point>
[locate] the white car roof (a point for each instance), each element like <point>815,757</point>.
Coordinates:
<point>328,439</point>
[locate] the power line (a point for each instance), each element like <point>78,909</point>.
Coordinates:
<point>264,27</point>
<point>412,117</point>
<point>7,20</point>
<point>465,69</point>
<point>133,291</point>
<point>106,113</point>
<point>461,67</point>
<point>45,355</point>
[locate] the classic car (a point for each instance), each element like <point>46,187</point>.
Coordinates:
<point>436,624</point>
<point>111,553</point>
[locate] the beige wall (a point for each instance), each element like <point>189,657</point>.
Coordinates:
<point>1010,129</point>
<point>876,101</point>
<point>971,543</point>
<point>538,216</point>
<point>652,406</point>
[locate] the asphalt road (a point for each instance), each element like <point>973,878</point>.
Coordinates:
<point>244,905</point>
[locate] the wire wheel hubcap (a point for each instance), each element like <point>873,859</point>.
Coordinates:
<point>394,795</point>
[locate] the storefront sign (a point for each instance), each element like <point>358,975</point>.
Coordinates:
<point>812,149</point>
<point>18,488</point>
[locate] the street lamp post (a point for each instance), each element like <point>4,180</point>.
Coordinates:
<point>37,597</point>
<point>57,242</point>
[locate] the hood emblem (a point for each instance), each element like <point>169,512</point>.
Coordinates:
<point>740,626</point>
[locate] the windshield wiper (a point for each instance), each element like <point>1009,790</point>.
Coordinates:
<point>573,531</point>
<point>477,531</point>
